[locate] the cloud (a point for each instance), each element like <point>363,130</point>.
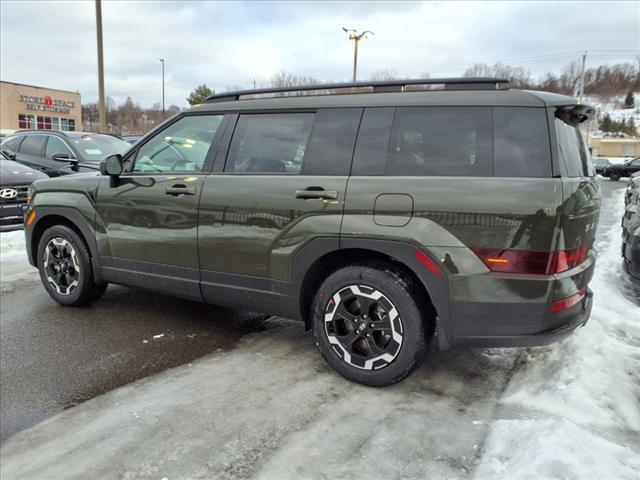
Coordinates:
<point>231,43</point>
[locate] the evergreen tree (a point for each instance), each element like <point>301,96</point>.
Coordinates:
<point>631,128</point>
<point>606,125</point>
<point>199,94</point>
<point>629,101</point>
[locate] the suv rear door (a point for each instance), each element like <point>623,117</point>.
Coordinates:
<point>279,181</point>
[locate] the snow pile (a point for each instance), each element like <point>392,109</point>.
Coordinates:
<point>14,264</point>
<point>576,403</point>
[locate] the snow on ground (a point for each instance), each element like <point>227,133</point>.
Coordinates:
<point>579,397</point>
<point>272,409</point>
<point>14,266</point>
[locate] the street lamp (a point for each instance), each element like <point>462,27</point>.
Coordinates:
<point>162,61</point>
<point>356,37</point>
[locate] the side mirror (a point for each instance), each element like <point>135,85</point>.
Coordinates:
<point>112,165</point>
<point>9,154</point>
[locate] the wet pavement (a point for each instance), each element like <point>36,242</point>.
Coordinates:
<point>54,357</point>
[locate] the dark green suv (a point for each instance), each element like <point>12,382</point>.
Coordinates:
<point>389,217</point>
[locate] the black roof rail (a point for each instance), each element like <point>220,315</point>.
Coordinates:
<point>464,83</point>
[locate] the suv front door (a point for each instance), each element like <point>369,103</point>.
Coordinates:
<point>150,216</point>
<point>278,182</point>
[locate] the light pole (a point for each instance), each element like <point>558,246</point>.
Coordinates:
<point>356,37</point>
<point>101,107</point>
<point>162,61</point>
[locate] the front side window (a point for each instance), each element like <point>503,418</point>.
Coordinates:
<point>573,150</point>
<point>269,143</point>
<point>55,146</point>
<point>440,141</point>
<point>181,147</point>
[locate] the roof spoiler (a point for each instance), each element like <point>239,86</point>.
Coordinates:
<point>574,115</point>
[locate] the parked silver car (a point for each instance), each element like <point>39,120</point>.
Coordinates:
<point>631,228</point>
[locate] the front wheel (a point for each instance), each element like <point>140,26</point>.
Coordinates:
<point>614,176</point>
<point>65,267</point>
<point>368,324</point>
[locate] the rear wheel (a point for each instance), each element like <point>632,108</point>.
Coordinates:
<point>614,176</point>
<point>65,267</point>
<point>368,325</point>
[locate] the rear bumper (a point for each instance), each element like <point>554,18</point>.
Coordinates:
<point>500,336</point>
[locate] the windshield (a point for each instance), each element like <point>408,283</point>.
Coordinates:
<point>96,147</point>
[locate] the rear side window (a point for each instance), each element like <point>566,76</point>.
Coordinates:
<point>33,145</point>
<point>521,142</point>
<point>332,140</point>
<point>12,143</point>
<point>573,150</point>
<point>440,141</point>
<point>269,143</point>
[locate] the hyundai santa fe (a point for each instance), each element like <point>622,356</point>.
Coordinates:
<point>390,217</point>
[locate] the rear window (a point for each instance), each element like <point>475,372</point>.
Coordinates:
<point>33,145</point>
<point>573,150</point>
<point>521,142</point>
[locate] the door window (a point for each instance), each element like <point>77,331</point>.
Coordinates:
<point>33,145</point>
<point>182,147</point>
<point>55,146</point>
<point>269,143</point>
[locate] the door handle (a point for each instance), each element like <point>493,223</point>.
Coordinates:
<point>178,190</point>
<point>317,194</point>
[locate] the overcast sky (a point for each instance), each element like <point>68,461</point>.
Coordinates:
<point>223,44</point>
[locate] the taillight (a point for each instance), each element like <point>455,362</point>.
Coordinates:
<point>560,305</point>
<point>537,263</point>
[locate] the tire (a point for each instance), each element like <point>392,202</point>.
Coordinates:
<point>614,176</point>
<point>396,343</point>
<point>65,268</point>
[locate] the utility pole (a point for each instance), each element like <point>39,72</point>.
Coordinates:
<point>101,106</point>
<point>356,37</point>
<point>162,61</point>
<point>582,74</point>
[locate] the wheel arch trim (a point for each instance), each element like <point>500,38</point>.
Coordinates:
<point>436,285</point>
<point>75,218</point>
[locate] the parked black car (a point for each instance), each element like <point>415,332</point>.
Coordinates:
<point>14,183</point>
<point>59,153</point>
<point>631,228</point>
<point>600,164</point>
<point>626,169</point>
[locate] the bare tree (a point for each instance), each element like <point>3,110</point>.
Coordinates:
<point>383,74</point>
